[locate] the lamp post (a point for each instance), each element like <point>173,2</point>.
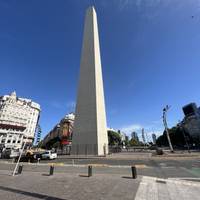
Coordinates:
<point>20,155</point>
<point>166,127</point>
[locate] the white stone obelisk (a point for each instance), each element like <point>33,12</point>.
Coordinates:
<point>90,129</point>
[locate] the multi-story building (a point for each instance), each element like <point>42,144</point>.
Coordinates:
<point>154,138</point>
<point>18,120</point>
<point>123,136</point>
<point>60,137</point>
<point>134,136</point>
<point>191,121</point>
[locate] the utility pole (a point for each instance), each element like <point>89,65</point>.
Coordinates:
<point>166,127</point>
<point>20,155</point>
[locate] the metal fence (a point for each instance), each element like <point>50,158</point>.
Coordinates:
<point>83,149</point>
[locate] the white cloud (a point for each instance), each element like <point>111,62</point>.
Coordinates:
<point>155,128</point>
<point>130,128</point>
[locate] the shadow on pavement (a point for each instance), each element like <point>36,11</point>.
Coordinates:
<point>32,194</point>
<point>8,174</point>
<point>46,175</point>
<point>84,175</point>
<point>127,177</point>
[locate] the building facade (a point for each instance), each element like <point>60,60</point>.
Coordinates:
<point>60,137</point>
<point>191,121</point>
<point>134,136</point>
<point>154,138</point>
<point>18,120</point>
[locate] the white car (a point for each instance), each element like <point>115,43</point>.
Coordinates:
<point>49,155</point>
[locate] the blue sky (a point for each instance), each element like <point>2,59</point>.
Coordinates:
<point>150,52</point>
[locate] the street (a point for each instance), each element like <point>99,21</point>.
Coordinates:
<point>158,178</point>
<point>146,164</point>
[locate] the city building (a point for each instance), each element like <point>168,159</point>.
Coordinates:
<point>90,129</point>
<point>191,121</point>
<point>18,120</point>
<point>122,134</point>
<point>154,138</point>
<point>134,136</point>
<point>143,136</point>
<point>60,137</point>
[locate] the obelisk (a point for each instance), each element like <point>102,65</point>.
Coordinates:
<point>90,129</point>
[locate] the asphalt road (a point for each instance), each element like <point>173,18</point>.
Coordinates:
<point>187,162</point>
<point>150,162</point>
<point>162,167</point>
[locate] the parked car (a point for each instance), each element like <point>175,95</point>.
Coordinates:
<point>49,155</point>
<point>29,156</point>
<point>9,153</point>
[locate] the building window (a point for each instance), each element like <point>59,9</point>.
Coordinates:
<point>8,141</point>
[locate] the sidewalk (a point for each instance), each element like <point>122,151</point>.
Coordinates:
<point>179,154</point>
<point>77,186</point>
<point>34,185</point>
<point>161,171</point>
<point>167,189</point>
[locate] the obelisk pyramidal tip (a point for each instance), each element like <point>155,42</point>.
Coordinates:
<point>90,129</point>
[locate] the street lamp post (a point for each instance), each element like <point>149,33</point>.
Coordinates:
<point>20,155</point>
<point>166,127</point>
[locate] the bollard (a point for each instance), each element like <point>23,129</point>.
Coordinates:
<point>134,172</point>
<point>51,170</point>
<point>89,170</point>
<point>20,168</point>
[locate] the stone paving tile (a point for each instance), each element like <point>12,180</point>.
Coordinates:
<point>60,186</point>
<point>34,185</point>
<point>165,189</point>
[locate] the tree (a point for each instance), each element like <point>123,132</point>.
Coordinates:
<point>176,135</point>
<point>133,142</point>
<point>114,138</point>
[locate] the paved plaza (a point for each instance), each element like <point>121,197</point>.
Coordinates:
<point>167,177</point>
<point>60,186</point>
<point>152,188</point>
<point>34,185</point>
